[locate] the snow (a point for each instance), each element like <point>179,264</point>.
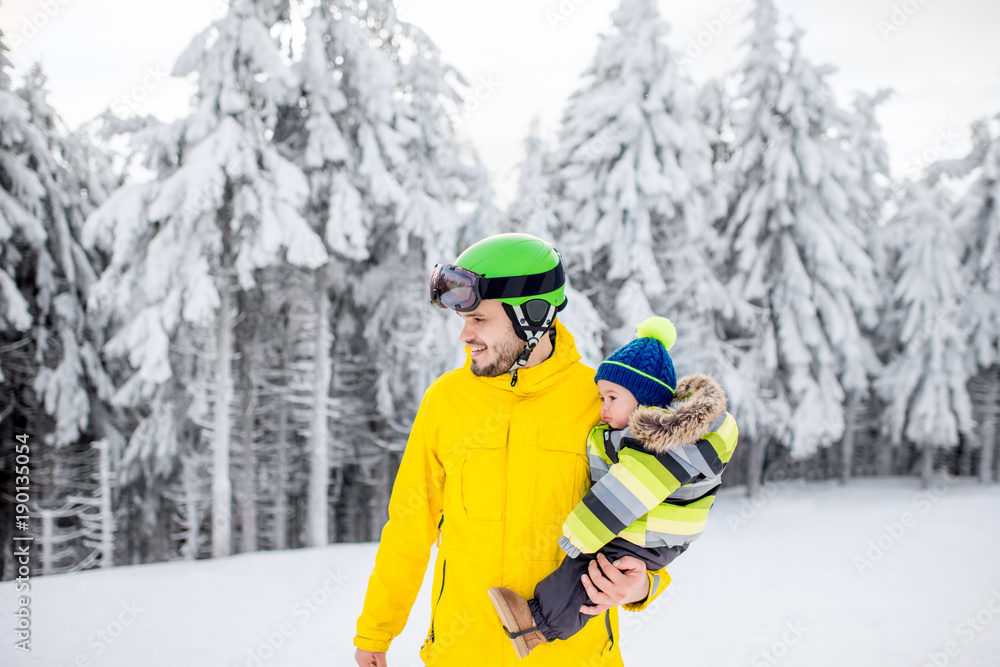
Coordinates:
<point>15,313</point>
<point>812,574</point>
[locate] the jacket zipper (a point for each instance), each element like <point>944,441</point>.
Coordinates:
<point>607,625</point>
<point>444,565</point>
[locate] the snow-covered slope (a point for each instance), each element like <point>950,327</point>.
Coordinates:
<point>878,573</point>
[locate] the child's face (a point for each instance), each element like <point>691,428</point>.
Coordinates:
<point>617,403</point>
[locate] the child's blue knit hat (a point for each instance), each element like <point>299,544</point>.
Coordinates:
<point>643,365</point>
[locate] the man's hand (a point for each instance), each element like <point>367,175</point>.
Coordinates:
<point>611,585</point>
<point>369,659</point>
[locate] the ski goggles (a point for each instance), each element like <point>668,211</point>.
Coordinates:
<point>462,290</point>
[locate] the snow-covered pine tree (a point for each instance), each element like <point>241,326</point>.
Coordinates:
<point>632,171</point>
<point>387,178</point>
<point>411,341</point>
<point>634,196</point>
<point>223,204</point>
<point>977,222</point>
<point>714,111</point>
<point>759,85</point>
<point>532,212</point>
<point>729,355</point>
<point>925,381</point>
<point>794,248</point>
<point>51,369</point>
<point>486,217</point>
<point>23,240</point>
<point>64,164</point>
<point>869,150</point>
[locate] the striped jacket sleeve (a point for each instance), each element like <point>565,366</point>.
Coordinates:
<point>633,486</point>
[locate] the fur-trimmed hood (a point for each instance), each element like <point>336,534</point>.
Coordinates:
<point>698,402</point>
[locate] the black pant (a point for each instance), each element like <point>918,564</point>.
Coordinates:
<point>558,597</point>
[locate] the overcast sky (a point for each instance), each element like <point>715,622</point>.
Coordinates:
<point>526,56</point>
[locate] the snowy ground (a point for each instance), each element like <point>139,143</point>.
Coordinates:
<point>878,573</point>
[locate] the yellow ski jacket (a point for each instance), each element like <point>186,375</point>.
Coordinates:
<point>490,471</point>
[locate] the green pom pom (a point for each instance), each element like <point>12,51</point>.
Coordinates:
<point>659,328</point>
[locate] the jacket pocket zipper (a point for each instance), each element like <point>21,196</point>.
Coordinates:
<point>444,565</point>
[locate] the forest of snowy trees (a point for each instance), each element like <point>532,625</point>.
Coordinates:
<point>215,331</point>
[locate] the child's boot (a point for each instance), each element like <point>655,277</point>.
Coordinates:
<point>517,620</point>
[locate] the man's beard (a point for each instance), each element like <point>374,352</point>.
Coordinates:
<point>506,356</point>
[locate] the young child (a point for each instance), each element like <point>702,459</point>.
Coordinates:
<point>656,460</point>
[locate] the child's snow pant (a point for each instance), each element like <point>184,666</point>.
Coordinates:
<point>558,597</point>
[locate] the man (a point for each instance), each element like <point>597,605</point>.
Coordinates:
<point>495,461</point>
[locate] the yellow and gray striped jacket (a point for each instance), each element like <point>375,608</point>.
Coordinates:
<point>655,480</point>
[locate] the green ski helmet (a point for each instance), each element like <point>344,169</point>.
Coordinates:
<point>521,271</point>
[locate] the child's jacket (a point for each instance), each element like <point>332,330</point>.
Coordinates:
<point>655,480</point>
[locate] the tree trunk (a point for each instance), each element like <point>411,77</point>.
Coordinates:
<point>380,513</point>
<point>282,459</point>
<point>884,450</point>
<point>901,459</point>
<point>847,445</point>
<point>281,476</point>
<point>248,492</point>
<point>927,465</point>
<point>48,540</point>
<point>107,514</point>
<point>336,495</point>
<point>222,530</point>
<point>996,455</point>
<point>755,470</point>
<point>112,443</point>
<point>996,458</point>
<point>190,472</point>
<point>319,440</point>
<point>988,426</point>
<point>962,459</point>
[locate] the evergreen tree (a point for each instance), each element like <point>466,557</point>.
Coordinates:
<point>869,151</point>
<point>633,193</point>
<point>486,218</point>
<point>23,237</point>
<point>531,210</point>
<point>925,382</point>
<point>224,203</point>
<point>794,247</point>
<point>387,177</point>
<point>714,112</point>
<point>72,382</point>
<point>51,370</point>
<point>977,222</point>
<point>632,171</point>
